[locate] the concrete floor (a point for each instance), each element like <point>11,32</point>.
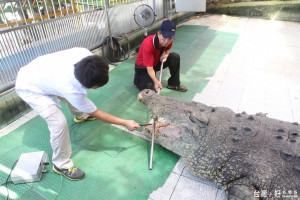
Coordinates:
<point>261,74</point>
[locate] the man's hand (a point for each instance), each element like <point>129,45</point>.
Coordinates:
<point>131,125</point>
<point>164,57</point>
<point>157,85</point>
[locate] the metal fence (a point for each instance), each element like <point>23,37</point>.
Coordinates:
<point>21,12</point>
<point>31,28</point>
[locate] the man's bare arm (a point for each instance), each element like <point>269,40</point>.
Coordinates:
<point>106,117</point>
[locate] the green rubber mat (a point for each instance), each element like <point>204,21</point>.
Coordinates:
<point>115,162</point>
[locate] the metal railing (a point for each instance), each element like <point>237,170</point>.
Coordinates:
<point>21,12</point>
<point>30,28</point>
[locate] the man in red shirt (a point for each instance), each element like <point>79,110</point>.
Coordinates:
<point>154,50</point>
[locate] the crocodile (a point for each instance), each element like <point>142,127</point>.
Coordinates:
<point>248,156</point>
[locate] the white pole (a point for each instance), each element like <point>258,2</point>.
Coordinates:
<point>153,132</point>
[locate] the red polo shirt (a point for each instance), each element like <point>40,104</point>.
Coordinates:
<point>149,52</point>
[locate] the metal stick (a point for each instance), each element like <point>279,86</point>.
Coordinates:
<point>153,132</point>
<point>160,75</point>
<point>152,145</point>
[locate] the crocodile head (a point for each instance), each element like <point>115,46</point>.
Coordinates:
<point>179,124</point>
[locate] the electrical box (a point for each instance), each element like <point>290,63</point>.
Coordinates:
<point>190,5</point>
<point>29,167</point>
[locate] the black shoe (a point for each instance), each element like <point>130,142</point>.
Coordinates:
<point>73,173</point>
<point>180,88</point>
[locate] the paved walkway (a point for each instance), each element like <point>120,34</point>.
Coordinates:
<point>261,74</point>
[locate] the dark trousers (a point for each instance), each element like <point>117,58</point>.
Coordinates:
<point>142,79</point>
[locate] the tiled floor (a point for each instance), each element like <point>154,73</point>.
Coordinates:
<point>261,74</point>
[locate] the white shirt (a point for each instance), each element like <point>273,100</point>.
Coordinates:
<point>52,75</point>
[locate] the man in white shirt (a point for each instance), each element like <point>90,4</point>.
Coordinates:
<point>65,76</point>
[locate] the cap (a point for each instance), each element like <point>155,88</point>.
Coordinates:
<point>167,29</point>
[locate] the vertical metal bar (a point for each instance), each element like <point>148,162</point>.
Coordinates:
<point>35,32</point>
<point>40,34</point>
<point>93,29</point>
<point>53,8</point>
<point>95,32</point>
<point>4,17</point>
<point>152,139</point>
<point>72,30</point>
<point>73,6</point>
<point>49,44</point>
<point>12,9</point>
<point>77,5</point>
<point>54,36</point>
<point>15,55</point>
<point>86,32</point>
<point>75,31</point>
<point>17,48</point>
<point>68,25</point>
<point>63,33</point>
<point>154,7</point>
<point>59,5</point>
<point>89,27</point>
<point>6,57</point>
<point>93,4</point>
<point>82,6</point>
<point>3,75</point>
<point>5,68</point>
<point>45,4</point>
<point>88,4</point>
<point>160,74</point>
<point>82,35</point>
<point>30,8</point>
<point>23,13</point>
<point>42,39</point>
<point>39,9</point>
<point>66,7</point>
<point>61,27</point>
<point>152,145</point>
<point>34,46</point>
<point>22,48</point>
<point>31,43</point>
